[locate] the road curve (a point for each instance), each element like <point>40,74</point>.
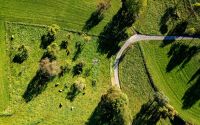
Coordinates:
<point>139,38</point>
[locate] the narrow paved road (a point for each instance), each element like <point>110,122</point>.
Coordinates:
<point>139,38</point>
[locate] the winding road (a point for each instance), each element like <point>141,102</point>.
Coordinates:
<point>139,38</point>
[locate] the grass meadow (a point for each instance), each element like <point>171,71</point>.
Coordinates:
<point>44,108</point>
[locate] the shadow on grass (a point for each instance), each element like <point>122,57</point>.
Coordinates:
<point>71,95</point>
<point>95,18</point>
<point>169,13</point>
<point>46,40</point>
<point>178,30</point>
<point>115,32</point>
<point>36,86</point>
<point>149,114</point>
<point>192,95</point>
<point>79,48</point>
<point>177,121</point>
<point>181,54</point>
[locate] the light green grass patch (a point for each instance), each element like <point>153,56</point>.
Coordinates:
<point>44,108</point>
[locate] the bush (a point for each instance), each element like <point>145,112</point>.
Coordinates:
<point>103,5</point>
<point>53,29</point>
<point>21,55</point>
<point>77,88</point>
<point>49,69</point>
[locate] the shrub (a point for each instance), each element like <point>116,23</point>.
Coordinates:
<point>103,5</point>
<point>53,29</point>
<point>77,88</point>
<point>49,69</point>
<point>21,55</point>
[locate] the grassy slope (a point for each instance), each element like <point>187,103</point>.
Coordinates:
<point>173,84</point>
<point>67,13</point>
<point>4,83</point>
<point>133,79</point>
<point>44,108</point>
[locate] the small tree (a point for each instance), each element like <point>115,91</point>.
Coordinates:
<point>21,55</point>
<point>113,109</point>
<point>49,69</point>
<point>53,29</point>
<point>50,37</point>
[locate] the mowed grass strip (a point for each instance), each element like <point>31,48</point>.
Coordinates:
<point>67,13</point>
<point>4,63</point>
<point>175,82</point>
<point>44,108</point>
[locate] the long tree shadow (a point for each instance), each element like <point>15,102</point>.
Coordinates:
<point>178,30</point>
<point>115,32</point>
<point>181,54</point>
<point>169,13</point>
<point>149,114</point>
<point>192,95</point>
<point>97,16</point>
<point>36,86</point>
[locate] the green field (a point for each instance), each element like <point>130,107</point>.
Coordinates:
<point>174,68</point>
<point>44,108</point>
<point>66,13</point>
<point>172,72</point>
